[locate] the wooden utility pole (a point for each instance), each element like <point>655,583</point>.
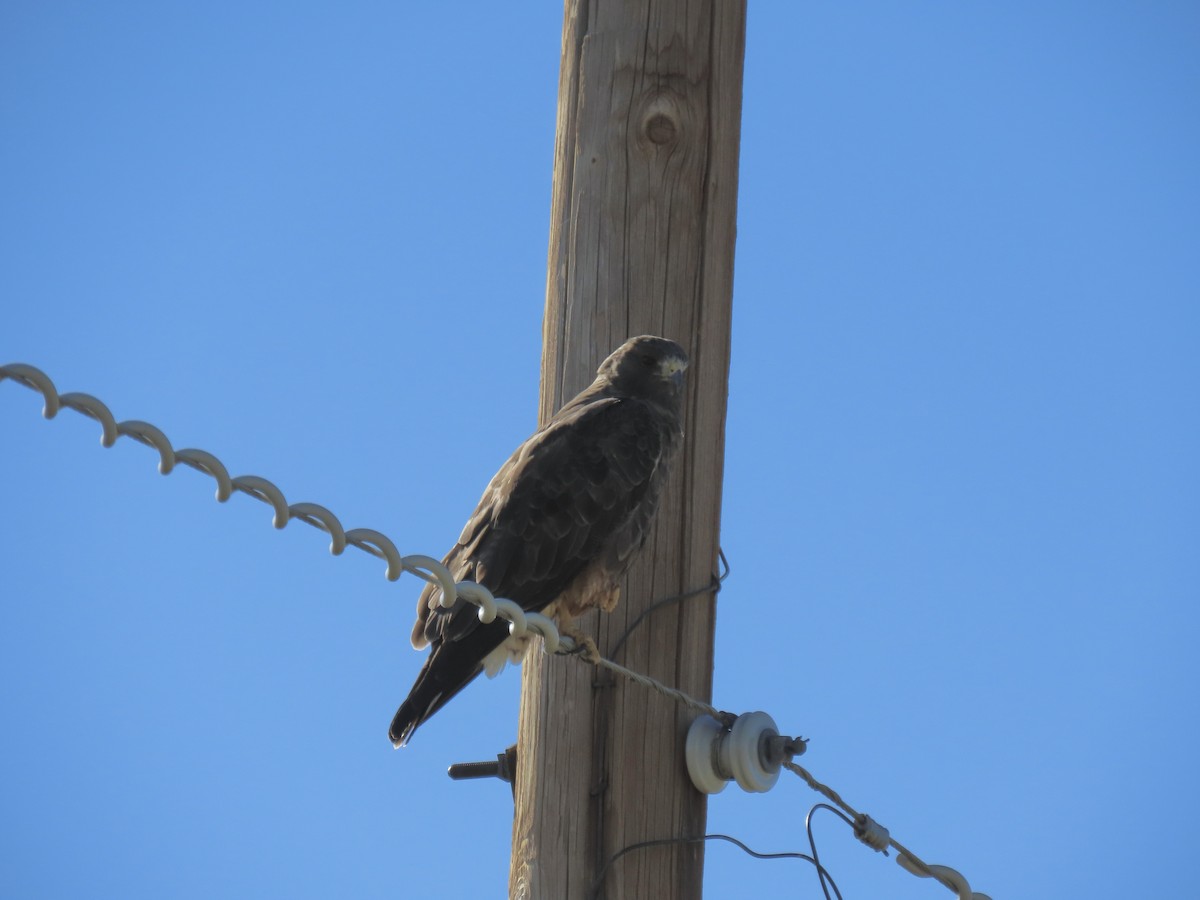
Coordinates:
<point>642,232</point>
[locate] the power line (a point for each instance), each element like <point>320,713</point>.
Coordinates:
<point>756,755</point>
<point>662,842</point>
<point>367,539</point>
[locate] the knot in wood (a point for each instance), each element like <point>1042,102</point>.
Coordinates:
<point>660,123</point>
<point>660,129</point>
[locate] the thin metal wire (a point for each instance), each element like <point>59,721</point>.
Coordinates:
<point>380,546</point>
<point>713,587</point>
<point>812,843</point>
<point>589,653</point>
<point>368,540</point>
<point>823,789</point>
<point>913,862</point>
<point>594,891</point>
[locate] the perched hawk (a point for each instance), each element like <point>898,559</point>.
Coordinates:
<point>561,520</point>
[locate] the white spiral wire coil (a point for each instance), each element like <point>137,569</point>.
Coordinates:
<point>369,540</point>
<point>431,570</point>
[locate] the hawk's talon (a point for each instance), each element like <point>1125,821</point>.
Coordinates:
<point>584,645</point>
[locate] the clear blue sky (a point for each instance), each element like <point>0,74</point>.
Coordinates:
<point>961,486</point>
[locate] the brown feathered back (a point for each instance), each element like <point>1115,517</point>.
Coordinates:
<point>578,495</point>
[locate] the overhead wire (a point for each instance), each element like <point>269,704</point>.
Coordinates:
<point>812,844</point>
<point>368,540</point>
<point>713,587</point>
<point>430,569</point>
<point>594,891</point>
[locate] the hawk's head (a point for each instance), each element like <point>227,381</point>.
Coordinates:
<point>648,367</point>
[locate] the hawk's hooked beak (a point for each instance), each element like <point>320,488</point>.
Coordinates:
<point>673,369</point>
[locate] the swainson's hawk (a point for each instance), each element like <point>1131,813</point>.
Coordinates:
<point>562,518</point>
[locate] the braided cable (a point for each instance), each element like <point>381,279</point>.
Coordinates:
<point>368,540</point>
<point>430,569</point>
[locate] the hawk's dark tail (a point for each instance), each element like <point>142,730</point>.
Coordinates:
<point>447,671</point>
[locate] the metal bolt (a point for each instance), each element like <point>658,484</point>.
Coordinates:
<point>504,767</point>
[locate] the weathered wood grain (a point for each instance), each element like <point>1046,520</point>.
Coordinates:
<point>642,231</point>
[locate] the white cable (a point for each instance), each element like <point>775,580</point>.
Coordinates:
<point>876,837</point>
<point>366,539</point>
<point>426,567</point>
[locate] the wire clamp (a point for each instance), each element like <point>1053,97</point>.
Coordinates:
<point>872,833</point>
<point>751,752</point>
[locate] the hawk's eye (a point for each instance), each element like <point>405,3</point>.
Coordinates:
<point>649,361</point>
